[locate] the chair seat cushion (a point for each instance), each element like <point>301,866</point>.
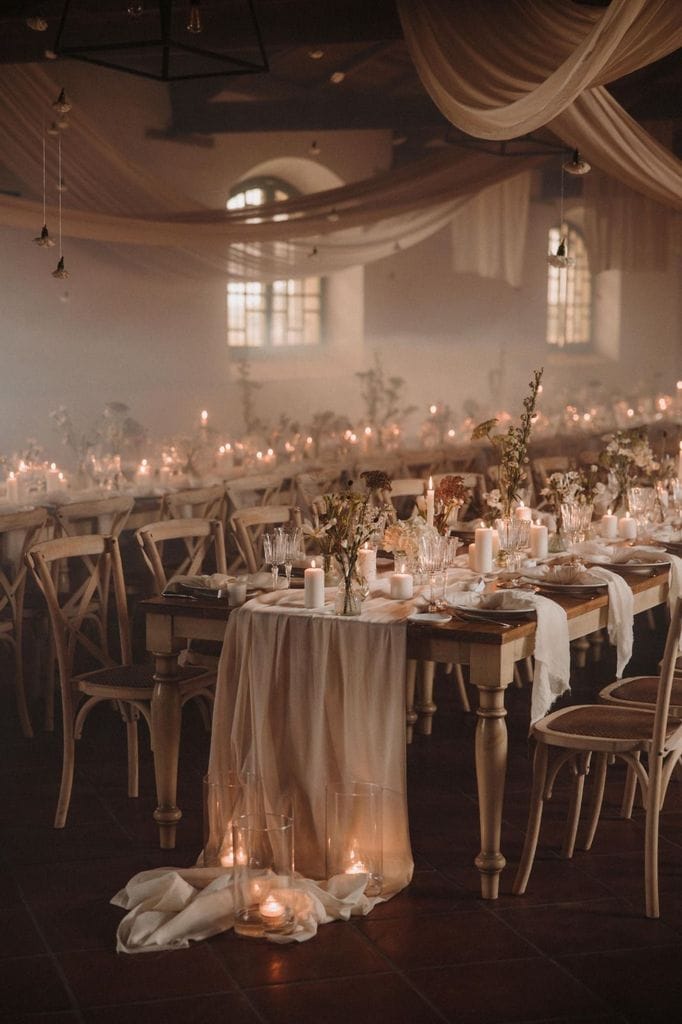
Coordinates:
<point>602,722</point>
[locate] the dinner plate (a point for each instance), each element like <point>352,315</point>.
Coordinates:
<point>429,617</point>
<point>643,568</point>
<point>571,588</point>
<point>499,614</point>
<point>212,593</point>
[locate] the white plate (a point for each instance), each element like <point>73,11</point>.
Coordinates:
<point>635,566</point>
<point>501,614</point>
<point>429,617</point>
<point>571,588</point>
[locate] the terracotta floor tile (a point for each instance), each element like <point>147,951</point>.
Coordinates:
<point>18,934</point>
<point>512,990</point>
<point>102,978</point>
<point>226,1008</point>
<point>31,984</point>
<point>372,1000</point>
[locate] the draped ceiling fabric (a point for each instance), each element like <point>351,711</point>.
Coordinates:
<point>110,200</point>
<point>545,64</point>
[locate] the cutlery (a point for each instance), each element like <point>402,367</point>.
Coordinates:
<point>466,615</point>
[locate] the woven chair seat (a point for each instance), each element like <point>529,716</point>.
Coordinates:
<point>642,690</point>
<point>601,722</point>
<point>139,677</point>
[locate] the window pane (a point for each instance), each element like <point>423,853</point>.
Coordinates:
<point>569,291</point>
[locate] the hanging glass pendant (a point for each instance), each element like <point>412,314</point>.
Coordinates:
<point>194,24</point>
<point>43,239</point>
<point>560,258</point>
<point>576,165</point>
<point>61,273</point>
<point>61,104</point>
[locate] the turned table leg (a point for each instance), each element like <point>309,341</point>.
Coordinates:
<point>426,708</point>
<point>491,768</point>
<point>166,721</point>
<point>410,713</point>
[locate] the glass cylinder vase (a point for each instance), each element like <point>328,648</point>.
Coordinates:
<point>225,800</point>
<point>355,832</point>
<point>349,596</point>
<point>263,846</point>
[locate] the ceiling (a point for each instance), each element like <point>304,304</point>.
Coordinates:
<point>307,42</point>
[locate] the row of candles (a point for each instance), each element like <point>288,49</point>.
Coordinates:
<point>27,479</point>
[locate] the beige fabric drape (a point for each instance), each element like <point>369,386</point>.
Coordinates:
<point>304,700</point>
<point>489,233</point>
<point>544,63</point>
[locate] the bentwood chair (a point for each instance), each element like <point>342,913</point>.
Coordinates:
<point>24,529</point>
<point>249,524</point>
<point>88,674</point>
<point>200,547</point>
<point>574,734</point>
<point>196,503</point>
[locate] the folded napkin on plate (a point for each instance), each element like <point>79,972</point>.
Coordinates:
<point>168,907</point>
<point>621,614</point>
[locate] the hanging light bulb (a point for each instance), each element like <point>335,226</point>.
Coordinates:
<point>333,215</point>
<point>37,23</point>
<point>43,239</point>
<point>62,186</point>
<point>53,129</point>
<point>135,9</point>
<point>560,258</point>
<point>194,24</point>
<point>576,165</point>
<point>61,104</point>
<point>314,149</point>
<point>61,273</point>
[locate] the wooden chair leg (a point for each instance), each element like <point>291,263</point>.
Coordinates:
<point>580,768</point>
<point>653,811</point>
<point>534,819</point>
<point>601,763</point>
<point>629,793</point>
<point>410,713</point>
<point>133,758</point>
<point>50,670</point>
<point>426,709</point>
<point>66,785</point>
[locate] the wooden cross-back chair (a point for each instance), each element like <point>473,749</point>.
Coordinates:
<point>249,524</point>
<point>200,540</point>
<point>577,735</point>
<point>88,672</point>
<point>196,503</point>
<point>107,515</point>
<point>26,527</point>
<point>256,489</point>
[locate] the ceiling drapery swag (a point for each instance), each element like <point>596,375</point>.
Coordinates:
<point>546,64</point>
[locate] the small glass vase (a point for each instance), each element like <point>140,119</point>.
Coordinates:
<point>348,596</point>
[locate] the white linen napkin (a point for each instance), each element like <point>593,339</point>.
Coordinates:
<point>168,907</point>
<point>552,656</point>
<point>621,615</point>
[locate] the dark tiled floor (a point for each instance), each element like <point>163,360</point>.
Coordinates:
<point>575,948</point>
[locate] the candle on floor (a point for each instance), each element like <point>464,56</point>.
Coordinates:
<point>539,540</point>
<point>483,549</point>
<point>430,502</point>
<point>272,911</point>
<point>609,526</point>
<point>401,586</point>
<point>523,512</point>
<point>313,587</point>
<point>627,527</point>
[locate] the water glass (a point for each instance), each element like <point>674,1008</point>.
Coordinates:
<point>514,534</point>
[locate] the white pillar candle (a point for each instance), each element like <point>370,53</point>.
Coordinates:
<point>62,482</point>
<point>472,556</point>
<point>483,558</point>
<point>313,587</point>
<point>367,562</point>
<point>430,502</point>
<point>609,526</point>
<point>496,543</point>
<point>679,463</point>
<point>539,540</point>
<point>12,488</point>
<point>523,512</point>
<point>401,586</point>
<point>52,478</point>
<point>627,527</point>
<point>236,593</point>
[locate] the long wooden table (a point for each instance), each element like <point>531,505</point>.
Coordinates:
<point>489,649</point>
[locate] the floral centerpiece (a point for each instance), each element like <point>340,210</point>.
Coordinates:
<point>403,537</point>
<point>627,456</point>
<point>346,520</point>
<point>512,449</point>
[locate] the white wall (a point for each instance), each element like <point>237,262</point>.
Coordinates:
<point>158,343</point>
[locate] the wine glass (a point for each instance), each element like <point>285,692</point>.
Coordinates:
<point>291,545</point>
<point>273,554</point>
<point>433,556</point>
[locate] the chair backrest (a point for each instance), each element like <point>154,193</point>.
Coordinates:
<point>251,490</point>
<point>97,515</point>
<point>249,524</point>
<point>199,539</point>
<point>543,468</point>
<point>25,528</point>
<point>94,559</point>
<point>196,503</point>
<point>665,682</point>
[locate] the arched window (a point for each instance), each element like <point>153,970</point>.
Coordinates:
<point>569,291</point>
<point>278,314</point>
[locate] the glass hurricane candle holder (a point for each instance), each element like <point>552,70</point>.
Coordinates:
<point>355,832</point>
<point>263,850</point>
<point>225,800</point>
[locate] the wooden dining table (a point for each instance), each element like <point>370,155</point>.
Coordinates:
<point>489,649</point>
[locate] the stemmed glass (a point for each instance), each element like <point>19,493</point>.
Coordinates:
<point>514,536</point>
<point>273,552</point>
<point>291,542</point>
<point>433,552</point>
